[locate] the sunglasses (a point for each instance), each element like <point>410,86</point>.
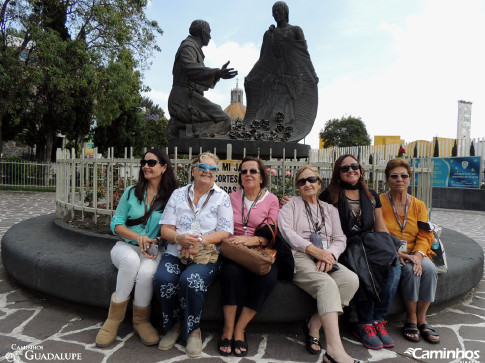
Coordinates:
<point>396,176</point>
<point>311,179</point>
<point>212,169</point>
<point>250,171</point>
<point>151,162</point>
<point>346,168</point>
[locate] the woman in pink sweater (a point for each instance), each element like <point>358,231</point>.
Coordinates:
<point>251,205</point>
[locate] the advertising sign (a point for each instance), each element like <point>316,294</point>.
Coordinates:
<point>456,172</point>
<point>227,175</point>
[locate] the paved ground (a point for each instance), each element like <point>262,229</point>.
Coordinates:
<point>36,327</point>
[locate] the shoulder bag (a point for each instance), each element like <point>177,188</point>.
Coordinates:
<point>258,260</point>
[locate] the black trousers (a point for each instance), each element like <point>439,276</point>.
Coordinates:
<point>235,280</point>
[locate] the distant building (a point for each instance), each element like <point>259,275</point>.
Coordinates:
<point>388,140</point>
<point>236,110</point>
<point>464,120</point>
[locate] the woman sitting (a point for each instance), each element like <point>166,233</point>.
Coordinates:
<point>312,228</point>
<point>197,218</point>
<point>360,211</point>
<point>136,222</point>
<point>401,213</point>
<point>251,205</point>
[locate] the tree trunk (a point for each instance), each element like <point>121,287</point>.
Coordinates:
<point>48,147</point>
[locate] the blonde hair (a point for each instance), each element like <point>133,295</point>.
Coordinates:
<point>206,154</point>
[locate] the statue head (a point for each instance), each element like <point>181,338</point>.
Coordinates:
<point>281,11</point>
<point>202,30</point>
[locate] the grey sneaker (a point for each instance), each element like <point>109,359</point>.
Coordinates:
<point>381,332</point>
<point>366,333</point>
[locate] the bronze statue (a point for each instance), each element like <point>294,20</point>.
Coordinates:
<point>189,110</point>
<point>281,89</point>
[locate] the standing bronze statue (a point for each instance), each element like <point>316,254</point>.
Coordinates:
<point>281,89</point>
<point>189,110</point>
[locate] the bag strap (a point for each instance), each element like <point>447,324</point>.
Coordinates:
<point>144,219</point>
<point>273,227</point>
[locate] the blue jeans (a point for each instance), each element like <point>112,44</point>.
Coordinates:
<point>370,310</point>
<point>180,290</point>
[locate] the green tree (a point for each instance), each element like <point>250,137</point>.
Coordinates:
<point>348,131</point>
<point>454,150</point>
<point>415,152</point>
<point>472,149</point>
<point>105,29</point>
<point>436,152</point>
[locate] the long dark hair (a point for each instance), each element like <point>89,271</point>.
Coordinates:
<point>335,189</point>
<point>167,185</point>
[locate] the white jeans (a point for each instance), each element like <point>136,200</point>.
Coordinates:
<point>136,270</point>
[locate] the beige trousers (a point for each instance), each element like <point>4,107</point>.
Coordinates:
<point>331,290</point>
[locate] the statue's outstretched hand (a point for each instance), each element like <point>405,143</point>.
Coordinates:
<point>227,73</point>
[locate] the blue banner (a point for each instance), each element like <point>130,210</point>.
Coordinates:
<point>457,172</point>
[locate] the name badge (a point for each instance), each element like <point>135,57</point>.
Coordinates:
<point>195,228</point>
<point>317,240</point>
<point>404,246</point>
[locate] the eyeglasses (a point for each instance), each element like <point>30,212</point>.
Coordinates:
<point>151,162</point>
<point>346,168</point>
<point>212,169</point>
<point>396,176</point>
<point>251,171</point>
<point>311,179</point>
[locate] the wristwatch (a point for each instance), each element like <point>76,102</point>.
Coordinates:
<point>422,253</point>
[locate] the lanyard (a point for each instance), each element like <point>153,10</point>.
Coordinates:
<point>316,225</point>
<point>191,204</point>
<point>245,220</point>
<point>406,210</point>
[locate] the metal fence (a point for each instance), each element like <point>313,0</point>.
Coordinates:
<point>15,172</point>
<point>94,185</point>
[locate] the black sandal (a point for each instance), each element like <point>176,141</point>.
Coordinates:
<point>309,340</point>
<point>238,344</point>
<point>225,343</point>
<point>331,360</point>
<point>411,329</point>
<point>427,331</point>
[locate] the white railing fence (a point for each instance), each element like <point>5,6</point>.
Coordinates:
<point>27,174</point>
<point>93,186</point>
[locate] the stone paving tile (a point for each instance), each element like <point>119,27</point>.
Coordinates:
<point>55,326</point>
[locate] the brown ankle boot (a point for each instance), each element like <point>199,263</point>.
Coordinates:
<point>107,334</point>
<point>143,328</point>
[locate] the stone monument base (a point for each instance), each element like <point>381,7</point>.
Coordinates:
<point>264,149</point>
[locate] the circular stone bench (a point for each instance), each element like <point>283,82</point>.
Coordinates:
<point>49,255</point>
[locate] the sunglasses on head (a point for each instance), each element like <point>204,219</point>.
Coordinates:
<point>346,168</point>
<point>396,176</point>
<point>151,162</point>
<point>250,171</point>
<point>212,169</point>
<point>311,179</point>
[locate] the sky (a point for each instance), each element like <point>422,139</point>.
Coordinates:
<point>399,65</point>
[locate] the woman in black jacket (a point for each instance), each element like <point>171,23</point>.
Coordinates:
<point>375,262</point>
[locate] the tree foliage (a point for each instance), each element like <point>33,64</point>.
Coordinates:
<point>472,149</point>
<point>138,127</point>
<point>348,131</point>
<point>454,150</point>
<point>64,63</point>
<point>436,152</point>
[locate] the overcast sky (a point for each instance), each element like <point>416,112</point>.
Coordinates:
<point>399,65</point>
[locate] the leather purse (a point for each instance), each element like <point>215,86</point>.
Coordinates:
<point>258,260</point>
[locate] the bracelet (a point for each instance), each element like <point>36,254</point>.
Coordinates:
<point>176,234</point>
